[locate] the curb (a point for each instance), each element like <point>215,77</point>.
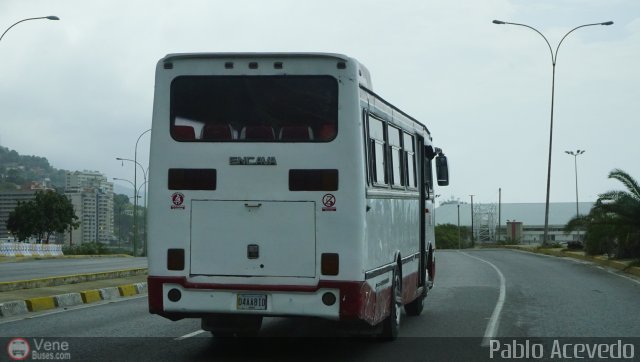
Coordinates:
<point>69,279</point>
<point>21,307</point>
<point>600,260</point>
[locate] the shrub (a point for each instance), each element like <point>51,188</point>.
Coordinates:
<point>92,248</point>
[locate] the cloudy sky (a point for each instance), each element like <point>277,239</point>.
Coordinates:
<point>79,91</point>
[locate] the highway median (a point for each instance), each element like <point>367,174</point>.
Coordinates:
<point>69,279</point>
<point>15,303</point>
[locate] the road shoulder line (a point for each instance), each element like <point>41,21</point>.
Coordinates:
<point>492,327</point>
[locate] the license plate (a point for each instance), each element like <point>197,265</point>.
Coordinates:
<point>251,302</point>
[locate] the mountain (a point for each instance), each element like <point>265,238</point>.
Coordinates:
<point>18,171</point>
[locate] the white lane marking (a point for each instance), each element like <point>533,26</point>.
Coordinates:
<point>492,326</point>
<point>189,335</point>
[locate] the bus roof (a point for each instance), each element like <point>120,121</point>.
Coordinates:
<point>364,75</point>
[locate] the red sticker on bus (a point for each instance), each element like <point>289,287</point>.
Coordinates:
<point>177,200</point>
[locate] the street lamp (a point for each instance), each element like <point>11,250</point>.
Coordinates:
<point>135,158</point>
<point>575,164</point>
<point>51,17</point>
<point>554,58</point>
<point>473,243</point>
<point>135,199</point>
<point>458,225</point>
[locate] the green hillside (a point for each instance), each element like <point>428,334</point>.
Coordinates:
<point>18,170</point>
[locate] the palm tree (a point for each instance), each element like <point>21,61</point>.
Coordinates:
<point>613,224</point>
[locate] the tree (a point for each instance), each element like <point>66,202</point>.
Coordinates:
<point>447,236</point>
<point>49,212</point>
<point>613,224</point>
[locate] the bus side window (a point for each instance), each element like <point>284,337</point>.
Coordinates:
<point>410,161</point>
<point>428,178</point>
<point>378,154</point>
<point>395,149</point>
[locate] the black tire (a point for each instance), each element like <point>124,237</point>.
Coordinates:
<point>416,307</point>
<point>391,324</point>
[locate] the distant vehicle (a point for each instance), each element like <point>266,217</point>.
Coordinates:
<point>282,185</point>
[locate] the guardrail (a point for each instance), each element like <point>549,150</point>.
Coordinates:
<point>27,249</point>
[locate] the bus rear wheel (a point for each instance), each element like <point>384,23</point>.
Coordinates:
<point>391,325</point>
<point>416,307</point>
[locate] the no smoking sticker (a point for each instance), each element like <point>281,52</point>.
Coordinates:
<point>329,202</point>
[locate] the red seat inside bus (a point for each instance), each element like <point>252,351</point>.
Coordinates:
<point>296,133</point>
<point>327,131</point>
<point>183,133</point>
<point>217,132</point>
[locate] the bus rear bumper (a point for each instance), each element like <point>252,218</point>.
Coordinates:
<point>176,298</point>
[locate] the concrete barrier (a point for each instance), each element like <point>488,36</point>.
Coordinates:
<point>109,293</point>
<point>25,249</point>
<point>13,308</point>
<point>68,300</point>
<point>40,304</point>
<point>127,290</point>
<point>90,296</point>
<point>21,307</point>
<point>28,249</point>
<point>141,288</point>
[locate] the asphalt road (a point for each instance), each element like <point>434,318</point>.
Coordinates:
<point>44,268</point>
<point>479,295</point>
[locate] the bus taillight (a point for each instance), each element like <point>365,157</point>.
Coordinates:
<point>330,264</point>
<point>175,259</point>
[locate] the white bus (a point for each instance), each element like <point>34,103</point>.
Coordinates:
<point>282,185</point>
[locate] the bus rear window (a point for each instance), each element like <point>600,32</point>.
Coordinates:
<point>313,180</point>
<point>192,179</point>
<point>254,108</point>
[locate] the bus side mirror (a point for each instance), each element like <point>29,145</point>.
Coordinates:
<point>442,170</point>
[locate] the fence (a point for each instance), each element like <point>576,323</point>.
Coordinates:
<point>26,249</point>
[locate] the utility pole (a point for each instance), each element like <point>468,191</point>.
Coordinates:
<point>473,243</point>
<point>459,227</point>
<point>499,210</point>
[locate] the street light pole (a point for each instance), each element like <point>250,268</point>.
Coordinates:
<point>575,164</point>
<point>50,17</point>
<point>458,226</point>
<point>473,244</point>
<point>135,199</point>
<point>554,58</point>
<point>135,159</point>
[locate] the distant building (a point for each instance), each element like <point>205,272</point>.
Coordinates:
<point>92,198</point>
<point>518,221</point>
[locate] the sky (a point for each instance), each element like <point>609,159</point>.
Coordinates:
<point>79,91</point>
